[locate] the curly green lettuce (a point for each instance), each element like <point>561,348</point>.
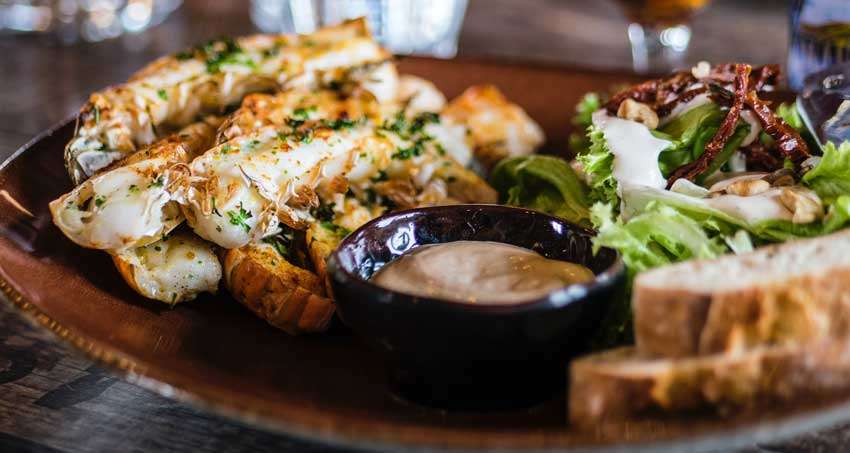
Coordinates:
<point>830,178</point>
<point>583,118</point>
<point>690,132</point>
<point>544,183</point>
<point>598,165</point>
<point>659,235</point>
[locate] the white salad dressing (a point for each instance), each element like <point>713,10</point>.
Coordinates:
<point>683,107</point>
<point>752,209</point>
<point>755,127</point>
<point>635,151</point>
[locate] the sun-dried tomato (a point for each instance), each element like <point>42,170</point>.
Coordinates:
<point>727,128</point>
<point>666,108</point>
<point>642,92</point>
<point>788,141</point>
<point>759,158</point>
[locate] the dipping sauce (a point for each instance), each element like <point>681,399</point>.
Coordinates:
<point>479,271</point>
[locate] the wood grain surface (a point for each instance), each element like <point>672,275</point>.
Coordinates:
<point>51,399</point>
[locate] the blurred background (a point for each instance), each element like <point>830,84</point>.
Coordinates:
<point>55,52</point>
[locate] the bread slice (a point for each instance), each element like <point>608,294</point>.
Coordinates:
<point>793,293</point>
<point>621,383</point>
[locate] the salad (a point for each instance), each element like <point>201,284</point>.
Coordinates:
<point>693,165</point>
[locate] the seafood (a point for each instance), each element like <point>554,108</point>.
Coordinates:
<point>172,91</point>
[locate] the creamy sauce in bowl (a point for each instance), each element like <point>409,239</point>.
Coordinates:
<point>479,272</point>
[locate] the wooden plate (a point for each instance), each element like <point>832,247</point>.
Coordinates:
<point>330,388</point>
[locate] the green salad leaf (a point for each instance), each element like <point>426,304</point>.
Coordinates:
<point>598,165</point>
<point>582,120</point>
<point>545,183</point>
<point>837,217</point>
<point>830,178</point>
<point>660,235</point>
<point>690,132</point>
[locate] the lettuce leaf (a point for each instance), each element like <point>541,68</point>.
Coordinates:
<point>830,178</point>
<point>545,183</point>
<point>598,165</point>
<point>789,113</point>
<point>589,103</point>
<point>690,132</point>
<point>837,217</point>
<point>660,235</point>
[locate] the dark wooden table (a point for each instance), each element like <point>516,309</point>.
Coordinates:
<point>52,399</point>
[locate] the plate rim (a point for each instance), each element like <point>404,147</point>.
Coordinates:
<point>119,364</point>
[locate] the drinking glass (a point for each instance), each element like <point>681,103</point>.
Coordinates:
<point>820,37</point>
<point>659,32</point>
<point>425,27</point>
<point>89,20</point>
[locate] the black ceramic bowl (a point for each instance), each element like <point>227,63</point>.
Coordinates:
<point>464,355</point>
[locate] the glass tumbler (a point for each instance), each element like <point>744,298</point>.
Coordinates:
<point>423,27</point>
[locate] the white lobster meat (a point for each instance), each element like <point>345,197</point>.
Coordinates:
<point>172,91</point>
<point>499,127</point>
<point>241,189</point>
<point>171,270</point>
<point>134,204</point>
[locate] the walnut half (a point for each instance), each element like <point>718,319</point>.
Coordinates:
<point>637,111</point>
<point>804,204</point>
<point>748,187</point>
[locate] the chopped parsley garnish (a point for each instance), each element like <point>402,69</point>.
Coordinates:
<point>272,51</point>
<point>294,122</point>
<point>239,218</point>
<point>99,200</point>
<point>162,94</point>
<point>226,149</point>
<point>159,181</point>
<point>214,209</point>
<point>335,229</point>
<point>218,53</point>
<point>406,153</point>
<point>282,243</point>
<point>406,129</point>
<point>381,176</point>
<point>96,115</point>
<point>133,189</point>
<point>323,212</point>
<point>341,123</point>
<point>303,113</point>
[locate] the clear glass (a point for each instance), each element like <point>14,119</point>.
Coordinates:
<point>423,27</point>
<point>820,37</point>
<point>88,20</point>
<point>659,33</point>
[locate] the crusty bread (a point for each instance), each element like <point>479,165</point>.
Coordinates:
<point>793,293</point>
<point>287,296</point>
<point>622,383</point>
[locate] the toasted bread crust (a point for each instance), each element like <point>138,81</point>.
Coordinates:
<point>680,323</point>
<point>801,306</point>
<point>620,383</point>
<point>286,296</point>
